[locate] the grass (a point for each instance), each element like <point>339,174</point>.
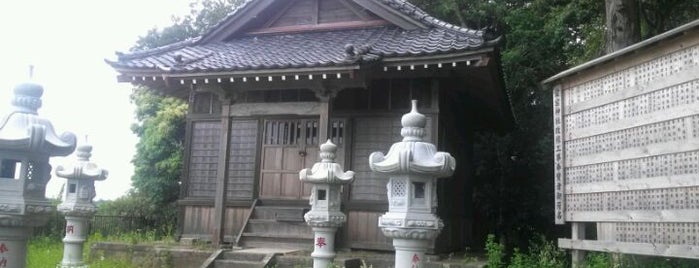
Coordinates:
<point>46,251</point>
<point>545,254</point>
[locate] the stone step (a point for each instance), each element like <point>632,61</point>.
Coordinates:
<point>280,213</point>
<point>292,261</point>
<point>271,226</point>
<point>280,236</point>
<point>243,256</point>
<point>237,264</point>
<point>285,241</point>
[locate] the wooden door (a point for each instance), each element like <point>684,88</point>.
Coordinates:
<point>289,145</point>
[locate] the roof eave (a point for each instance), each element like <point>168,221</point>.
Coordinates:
<point>476,56</point>
<point>144,75</point>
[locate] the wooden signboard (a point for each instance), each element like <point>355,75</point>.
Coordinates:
<point>626,148</point>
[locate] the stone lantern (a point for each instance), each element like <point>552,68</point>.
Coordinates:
<point>77,205</point>
<point>325,216</point>
<point>412,166</point>
<point>26,143</point>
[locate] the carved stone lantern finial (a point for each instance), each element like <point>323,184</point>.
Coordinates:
<point>412,166</point>
<point>325,216</point>
<point>413,124</point>
<point>27,141</point>
<point>77,204</point>
<point>27,98</point>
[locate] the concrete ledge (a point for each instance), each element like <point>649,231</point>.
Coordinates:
<point>371,259</point>
<point>151,256</point>
<point>178,256</point>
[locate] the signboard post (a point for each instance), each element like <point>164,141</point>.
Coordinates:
<point>626,148</point>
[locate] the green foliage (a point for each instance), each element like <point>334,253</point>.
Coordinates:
<point>659,16</point>
<point>203,15</point>
<point>598,260</point>
<point>495,252</point>
<point>158,160</point>
<point>130,205</point>
<point>46,251</point>
<point>139,215</point>
<point>541,254</point>
<point>55,225</point>
<point>612,260</point>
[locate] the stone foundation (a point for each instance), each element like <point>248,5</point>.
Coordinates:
<point>177,256</point>
<point>151,256</point>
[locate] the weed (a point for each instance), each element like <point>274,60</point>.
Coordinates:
<point>495,252</point>
<point>541,253</point>
<point>44,251</point>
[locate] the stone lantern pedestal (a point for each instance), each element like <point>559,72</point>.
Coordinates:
<point>412,167</point>
<point>325,216</point>
<point>27,141</point>
<point>77,205</point>
<point>13,245</point>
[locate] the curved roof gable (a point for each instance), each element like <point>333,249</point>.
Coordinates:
<point>249,39</point>
<point>398,12</point>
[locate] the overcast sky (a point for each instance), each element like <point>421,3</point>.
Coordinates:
<point>67,42</point>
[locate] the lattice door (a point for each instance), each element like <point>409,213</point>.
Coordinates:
<point>290,145</point>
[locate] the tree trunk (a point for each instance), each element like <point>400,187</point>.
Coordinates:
<point>622,24</point>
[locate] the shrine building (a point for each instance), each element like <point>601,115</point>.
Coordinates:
<point>276,78</point>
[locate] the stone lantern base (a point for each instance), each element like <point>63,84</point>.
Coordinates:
<point>76,233</point>
<point>410,252</point>
<point>13,246</point>
<point>411,237</point>
<point>324,246</point>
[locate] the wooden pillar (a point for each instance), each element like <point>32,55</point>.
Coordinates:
<point>221,174</point>
<point>324,120</point>
<point>325,96</point>
<point>578,233</point>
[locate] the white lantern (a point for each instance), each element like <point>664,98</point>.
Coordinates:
<point>412,166</point>
<point>27,141</point>
<point>77,205</point>
<point>325,216</point>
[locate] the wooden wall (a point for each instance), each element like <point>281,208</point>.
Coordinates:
<point>372,134</point>
<point>626,151</point>
<point>364,232</point>
<point>198,222</point>
<point>204,145</point>
<point>234,220</point>
<point>242,159</point>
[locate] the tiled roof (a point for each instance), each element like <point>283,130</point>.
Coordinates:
<point>418,14</point>
<point>308,49</point>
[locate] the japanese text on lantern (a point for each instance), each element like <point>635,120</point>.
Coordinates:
<point>415,261</point>
<point>3,260</point>
<point>320,242</point>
